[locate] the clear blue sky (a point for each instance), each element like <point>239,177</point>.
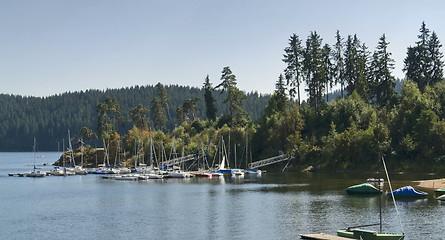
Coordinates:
<point>49,47</point>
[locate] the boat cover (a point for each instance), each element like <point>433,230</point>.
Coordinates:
<point>440,191</point>
<point>407,191</point>
<point>364,188</point>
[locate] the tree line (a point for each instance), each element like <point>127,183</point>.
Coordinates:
<point>367,121</point>
<point>48,118</point>
<point>349,65</point>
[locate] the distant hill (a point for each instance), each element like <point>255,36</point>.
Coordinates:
<point>49,118</point>
<point>337,93</point>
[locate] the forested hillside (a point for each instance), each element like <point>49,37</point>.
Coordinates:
<point>372,115</point>
<point>48,119</point>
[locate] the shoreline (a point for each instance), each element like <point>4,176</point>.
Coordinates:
<point>431,184</point>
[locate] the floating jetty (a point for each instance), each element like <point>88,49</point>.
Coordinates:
<point>322,236</point>
<point>18,174</point>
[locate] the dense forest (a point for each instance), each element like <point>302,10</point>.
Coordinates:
<point>49,118</point>
<point>368,119</point>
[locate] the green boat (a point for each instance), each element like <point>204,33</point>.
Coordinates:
<point>439,192</point>
<point>364,188</point>
<point>368,235</point>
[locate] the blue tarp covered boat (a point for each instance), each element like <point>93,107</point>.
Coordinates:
<point>408,191</point>
<point>226,172</point>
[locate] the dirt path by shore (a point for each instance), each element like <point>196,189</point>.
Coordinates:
<point>431,184</point>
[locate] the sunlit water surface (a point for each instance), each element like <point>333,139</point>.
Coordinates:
<point>274,206</point>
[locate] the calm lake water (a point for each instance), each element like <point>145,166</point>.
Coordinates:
<point>274,206</point>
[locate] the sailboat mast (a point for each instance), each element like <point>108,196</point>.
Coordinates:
<point>151,152</point>
<point>392,195</point>
<point>34,154</point>
<point>81,153</point>
<point>63,152</point>
<point>380,207</point>
<point>71,149</point>
<point>228,151</point>
<point>247,151</point>
<point>234,153</point>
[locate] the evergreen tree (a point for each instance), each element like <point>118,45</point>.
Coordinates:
<point>356,60</point>
<point>234,95</point>
<point>383,83</point>
<point>209,100</point>
<point>437,65</point>
<point>338,62</point>
<point>363,72</point>
<point>280,92</point>
<point>189,107</point>
<point>157,111</point>
<point>109,117</point>
<point>424,57</point>
<point>412,64</point>
<point>293,57</point>
<point>313,69</point>
<point>180,115</point>
<point>162,92</point>
<point>327,69</point>
<point>350,64</point>
<point>87,134</point>
<point>139,117</point>
<point>423,63</point>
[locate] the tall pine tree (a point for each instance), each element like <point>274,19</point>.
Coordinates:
<point>423,63</point>
<point>382,86</point>
<point>293,57</point>
<point>234,96</point>
<point>209,100</point>
<point>436,71</point>
<point>338,62</point>
<point>356,67</point>
<point>327,69</point>
<point>313,69</point>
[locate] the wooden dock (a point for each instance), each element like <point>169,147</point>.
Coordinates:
<point>322,236</point>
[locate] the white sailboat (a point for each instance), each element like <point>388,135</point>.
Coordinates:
<point>77,170</point>
<point>251,171</point>
<point>35,172</point>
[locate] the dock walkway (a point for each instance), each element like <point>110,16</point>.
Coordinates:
<point>322,236</point>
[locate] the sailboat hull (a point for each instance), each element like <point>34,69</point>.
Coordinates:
<point>368,235</point>
<point>36,174</point>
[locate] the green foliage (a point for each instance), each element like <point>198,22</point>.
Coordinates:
<point>88,134</point>
<point>139,117</point>
<point>424,64</point>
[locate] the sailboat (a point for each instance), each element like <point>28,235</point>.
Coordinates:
<point>251,171</point>
<point>35,172</point>
<point>202,172</point>
<point>77,170</point>
<point>359,233</point>
<point>222,165</point>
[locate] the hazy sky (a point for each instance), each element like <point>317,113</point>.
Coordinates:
<point>54,46</point>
